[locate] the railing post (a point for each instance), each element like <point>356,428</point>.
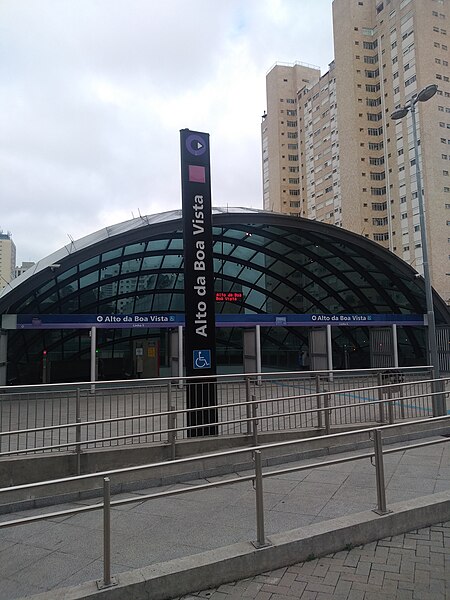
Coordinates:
<point>169,396</point>
<point>78,430</point>
<point>326,404</point>
<point>248,399</point>
<point>254,421</point>
<point>380,397</point>
<point>391,418</point>
<point>379,473</point>
<point>438,401</point>
<point>260,534</point>
<point>172,422</point>
<point>319,403</point>
<point>108,581</point>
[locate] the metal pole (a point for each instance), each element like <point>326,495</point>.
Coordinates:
<point>379,470</point>
<point>258,352</point>
<point>180,354</point>
<point>329,352</point>
<point>380,397</point>
<point>395,344</point>
<point>390,407</point>
<point>78,431</point>
<point>248,399</point>
<point>326,404</point>
<point>254,421</point>
<point>319,403</point>
<point>438,402</point>
<point>172,433</point>
<point>106,532</point>
<point>261,539</point>
<point>93,356</point>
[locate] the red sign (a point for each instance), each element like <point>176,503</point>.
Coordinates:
<point>228,296</point>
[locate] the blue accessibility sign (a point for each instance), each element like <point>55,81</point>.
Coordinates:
<point>202,359</point>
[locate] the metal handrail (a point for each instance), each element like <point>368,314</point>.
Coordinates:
<point>207,456</point>
<point>241,420</point>
<point>242,403</point>
<point>227,376</point>
<point>258,477</point>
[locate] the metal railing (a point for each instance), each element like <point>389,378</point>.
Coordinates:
<point>154,411</point>
<point>375,434</point>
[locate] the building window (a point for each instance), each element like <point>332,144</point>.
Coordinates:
<point>378,191</point>
<point>379,206</point>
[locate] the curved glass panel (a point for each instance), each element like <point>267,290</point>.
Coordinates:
<point>279,265</point>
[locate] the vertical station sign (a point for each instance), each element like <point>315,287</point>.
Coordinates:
<point>200,333</point>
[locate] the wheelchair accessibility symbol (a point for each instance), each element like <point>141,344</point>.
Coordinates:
<point>202,359</point>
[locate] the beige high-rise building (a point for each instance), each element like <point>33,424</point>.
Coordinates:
<point>355,165</point>
<point>7,259</point>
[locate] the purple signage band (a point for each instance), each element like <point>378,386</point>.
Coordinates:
<point>162,320</point>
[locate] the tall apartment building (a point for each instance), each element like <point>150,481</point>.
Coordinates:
<point>7,259</point>
<point>356,166</point>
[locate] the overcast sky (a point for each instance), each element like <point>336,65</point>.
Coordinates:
<point>93,94</point>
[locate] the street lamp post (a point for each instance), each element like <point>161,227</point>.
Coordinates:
<point>410,107</point>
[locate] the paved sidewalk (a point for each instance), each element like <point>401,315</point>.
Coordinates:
<point>413,566</point>
<point>66,551</point>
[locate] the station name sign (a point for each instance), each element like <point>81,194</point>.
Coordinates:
<point>199,293</point>
<point>102,321</point>
<point>161,320</point>
<point>199,307</point>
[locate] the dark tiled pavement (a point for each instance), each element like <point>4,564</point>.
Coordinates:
<point>412,566</point>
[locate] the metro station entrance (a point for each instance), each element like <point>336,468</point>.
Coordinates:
<point>64,348</point>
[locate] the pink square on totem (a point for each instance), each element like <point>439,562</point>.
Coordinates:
<point>197,174</point>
